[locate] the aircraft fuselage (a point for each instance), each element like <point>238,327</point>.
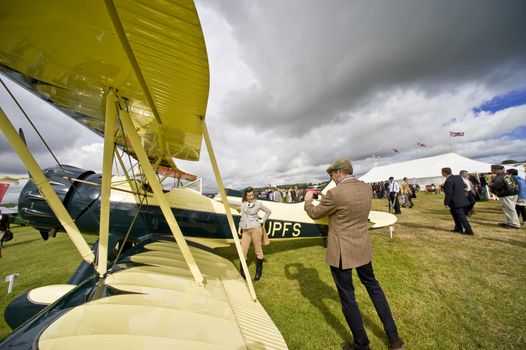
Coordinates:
<point>196,215</point>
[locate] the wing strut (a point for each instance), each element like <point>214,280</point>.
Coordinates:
<point>105,191</point>
<point>158,194</point>
<point>45,188</point>
<point>227,208</point>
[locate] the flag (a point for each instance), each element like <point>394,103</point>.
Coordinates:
<point>420,144</point>
<point>456,133</point>
<point>395,150</point>
<point>376,156</point>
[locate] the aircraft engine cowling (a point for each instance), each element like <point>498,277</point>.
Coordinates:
<point>34,209</point>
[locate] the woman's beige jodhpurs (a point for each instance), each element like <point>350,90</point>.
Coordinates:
<point>252,235</point>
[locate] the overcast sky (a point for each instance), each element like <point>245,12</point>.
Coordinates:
<point>296,85</point>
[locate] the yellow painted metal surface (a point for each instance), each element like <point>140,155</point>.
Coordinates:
<point>105,191</point>
<point>45,188</point>
<point>166,310</point>
<point>382,219</point>
<point>228,212</point>
<point>49,294</point>
<point>158,194</point>
<point>72,56</point>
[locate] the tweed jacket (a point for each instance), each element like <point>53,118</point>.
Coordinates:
<point>347,205</point>
<point>249,215</point>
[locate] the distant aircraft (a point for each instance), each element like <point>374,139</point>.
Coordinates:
<point>4,186</point>
<point>10,180</point>
<point>3,189</point>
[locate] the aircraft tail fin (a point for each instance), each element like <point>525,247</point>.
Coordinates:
<point>3,190</point>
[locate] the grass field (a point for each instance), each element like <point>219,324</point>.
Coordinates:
<point>446,291</point>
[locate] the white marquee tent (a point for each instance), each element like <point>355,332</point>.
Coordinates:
<point>425,171</point>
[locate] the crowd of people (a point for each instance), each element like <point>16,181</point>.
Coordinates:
<point>461,192</point>
<point>400,194</point>
<point>289,195</point>
<point>392,190</point>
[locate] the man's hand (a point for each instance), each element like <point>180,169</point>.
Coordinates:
<point>309,195</point>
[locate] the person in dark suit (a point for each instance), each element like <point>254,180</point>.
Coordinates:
<point>456,201</point>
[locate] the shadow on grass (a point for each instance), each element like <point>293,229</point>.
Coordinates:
<point>438,228</point>
<point>7,244</point>
<point>276,247</point>
<point>316,292</point>
<point>293,244</point>
<point>422,226</point>
<point>507,241</point>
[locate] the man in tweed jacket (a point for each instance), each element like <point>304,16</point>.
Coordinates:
<point>348,205</point>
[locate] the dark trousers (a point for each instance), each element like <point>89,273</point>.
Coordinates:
<point>521,210</point>
<point>393,197</point>
<point>472,199</point>
<point>343,280</point>
<point>461,222</point>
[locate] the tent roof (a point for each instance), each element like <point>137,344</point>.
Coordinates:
<point>425,168</point>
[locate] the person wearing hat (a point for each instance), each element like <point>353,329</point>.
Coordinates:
<point>501,187</point>
<point>347,205</point>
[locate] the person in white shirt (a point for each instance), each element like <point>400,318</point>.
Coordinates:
<point>469,192</point>
<point>394,191</point>
<point>277,195</point>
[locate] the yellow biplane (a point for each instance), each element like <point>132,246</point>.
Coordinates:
<point>135,72</point>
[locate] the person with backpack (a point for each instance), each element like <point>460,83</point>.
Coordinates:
<point>506,188</point>
<point>520,207</point>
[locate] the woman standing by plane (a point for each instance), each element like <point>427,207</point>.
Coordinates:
<point>250,224</point>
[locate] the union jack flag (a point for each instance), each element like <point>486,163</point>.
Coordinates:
<point>456,133</point>
<point>395,150</point>
<point>420,144</point>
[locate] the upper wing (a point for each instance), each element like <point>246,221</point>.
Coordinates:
<point>70,53</point>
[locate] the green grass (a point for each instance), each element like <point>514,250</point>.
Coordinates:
<point>446,291</point>
<point>38,263</point>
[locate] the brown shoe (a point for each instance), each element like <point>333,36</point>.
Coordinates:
<point>397,344</point>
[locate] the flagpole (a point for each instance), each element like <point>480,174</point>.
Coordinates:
<point>416,151</point>
<point>450,144</point>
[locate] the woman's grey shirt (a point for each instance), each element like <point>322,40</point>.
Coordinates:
<point>249,215</point>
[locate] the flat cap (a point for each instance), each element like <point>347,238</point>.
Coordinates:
<point>340,164</point>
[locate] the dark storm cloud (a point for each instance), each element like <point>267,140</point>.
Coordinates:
<point>314,61</point>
